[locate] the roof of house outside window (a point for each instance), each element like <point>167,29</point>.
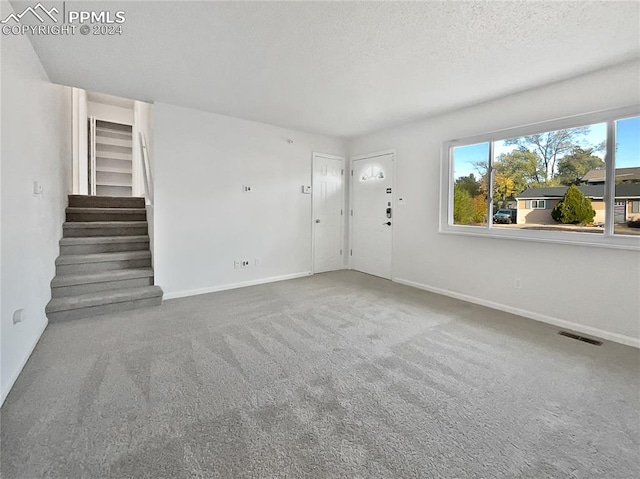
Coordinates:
<point>598,175</point>
<point>623,190</point>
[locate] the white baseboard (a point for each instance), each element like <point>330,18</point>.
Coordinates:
<point>562,323</point>
<point>225,287</point>
<point>6,391</point>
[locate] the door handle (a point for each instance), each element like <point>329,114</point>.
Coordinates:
<point>317,221</point>
<point>388,223</point>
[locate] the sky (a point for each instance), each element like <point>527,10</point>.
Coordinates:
<point>627,154</point>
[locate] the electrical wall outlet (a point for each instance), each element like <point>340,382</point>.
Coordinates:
<point>245,263</point>
<point>517,283</point>
<point>246,189</point>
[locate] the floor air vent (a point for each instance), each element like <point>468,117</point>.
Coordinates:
<point>580,338</point>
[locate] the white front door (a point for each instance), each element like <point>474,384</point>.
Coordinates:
<point>328,219</point>
<point>372,220</point>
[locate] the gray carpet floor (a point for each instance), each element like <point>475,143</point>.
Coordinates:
<point>335,375</point>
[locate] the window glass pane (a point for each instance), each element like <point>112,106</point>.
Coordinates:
<point>627,160</point>
<point>551,181</point>
<point>372,173</point>
<point>470,165</point>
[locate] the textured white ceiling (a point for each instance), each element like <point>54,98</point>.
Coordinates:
<point>340,68</point>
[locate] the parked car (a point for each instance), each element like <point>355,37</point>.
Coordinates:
<point>504,217</point>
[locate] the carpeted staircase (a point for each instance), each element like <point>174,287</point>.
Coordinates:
<point>105,262</point>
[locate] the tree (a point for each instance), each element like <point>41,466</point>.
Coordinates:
<point>549,147</point>
<point>470,184</point>
<point>480,208</point>
<point>520,166</point>
<point>463,209</point>
<point>573,166</point>
<point>482,167</point>
<point>573,208</point>
<point>503,188</point>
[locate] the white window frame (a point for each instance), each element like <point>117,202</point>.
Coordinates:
<point>607,239</point>
<point>537,204</point>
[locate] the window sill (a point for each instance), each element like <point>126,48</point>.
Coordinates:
<point>598,240</point>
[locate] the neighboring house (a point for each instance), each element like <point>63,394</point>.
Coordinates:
<point>623,175</point>
<point>535,204</point>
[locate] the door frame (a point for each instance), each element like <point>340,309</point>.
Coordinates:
<point>366,156</point>
<point>343,160</point>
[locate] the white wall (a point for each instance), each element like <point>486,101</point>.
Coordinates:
<point>115,114</point>
<point>36,146</point>
<point>203,220</point>
<point>595,290</point>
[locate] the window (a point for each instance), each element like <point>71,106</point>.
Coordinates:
<point>372,173</point>
<point>470,184</point>
<point>528,167</point>
<point>549,183</point>
<point>536,204</point>
<point>626,214</point>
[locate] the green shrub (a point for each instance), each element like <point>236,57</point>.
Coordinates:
<point>463,211</point>
<point>573,208</point>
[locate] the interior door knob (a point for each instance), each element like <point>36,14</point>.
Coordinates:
<point>388,223</point>
<point>317,221</point>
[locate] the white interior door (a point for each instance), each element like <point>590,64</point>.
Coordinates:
<point>328,219</point>
<point>372,221</point>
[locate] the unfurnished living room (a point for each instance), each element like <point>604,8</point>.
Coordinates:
<point>320,239</point>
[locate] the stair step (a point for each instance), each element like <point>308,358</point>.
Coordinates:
<point>104,276</point>
<point>101,257</point>
<point>107,133</point>
<point>103,239</point>
<point>85,214</point>
<point>104,148</point>
<point>80,289</point>
<point>92,304</point>
<point>93,263</point>
<point>85,201</point>
<point>104,228</point>
<point>114,190</point>
<point>113,155</point>
<point>103,244</point>
<point>116,127</point>
<point>92,311</point>
<point>110,140</point>
<point>80,284</point>
<point>108,167</point>
<point>100,299</point>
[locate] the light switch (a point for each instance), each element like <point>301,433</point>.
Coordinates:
<point>306,190</point>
